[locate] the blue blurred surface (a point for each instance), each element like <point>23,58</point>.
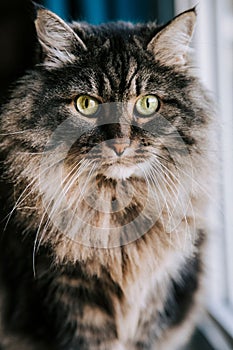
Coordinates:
<point>60,7</point>
<point>99,11</point>
<point>95,11</point>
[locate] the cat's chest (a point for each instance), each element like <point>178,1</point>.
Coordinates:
<point>145,297</point>
<point>129,313</point>
<point>103,301</point>
<point>107,215</point>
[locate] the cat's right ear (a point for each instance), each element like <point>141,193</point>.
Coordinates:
<point>57,39</point>
<point>171,45</point>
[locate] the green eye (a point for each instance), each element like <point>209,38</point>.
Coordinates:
<point>87,105</point>
<point>147,105</point>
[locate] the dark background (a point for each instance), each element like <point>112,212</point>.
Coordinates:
<point>17,38</point>
<point>17,33</point>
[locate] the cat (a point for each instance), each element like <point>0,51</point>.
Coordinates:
<point>104,162</point>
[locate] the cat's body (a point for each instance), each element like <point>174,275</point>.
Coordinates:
<point>103,149</point>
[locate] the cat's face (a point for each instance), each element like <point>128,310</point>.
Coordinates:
<point>118,119</point>
<point>107,82</point>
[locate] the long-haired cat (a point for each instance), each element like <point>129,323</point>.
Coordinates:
<point>104,153</point>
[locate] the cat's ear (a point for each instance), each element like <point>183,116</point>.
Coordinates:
<point>171,45</point>
<point>57,39</point>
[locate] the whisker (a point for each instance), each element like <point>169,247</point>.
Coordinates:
<point>178,202</point>
<point>21,199</point>
<point>57,190</point>
<point>189,204</point>
<point>16,132</point>
<point>197,183</point>
<point>69,184</point>
<point>152,190</point>
<point>158,186</point>
<point>83,164</point>
<point>83,189</point>
<point>31,153</point>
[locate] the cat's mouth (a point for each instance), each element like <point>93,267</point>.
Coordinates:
<point>118,159</point>
<point>123,169</point>
<point>120,171</point>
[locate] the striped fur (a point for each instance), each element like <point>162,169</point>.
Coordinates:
<point>101,251</point>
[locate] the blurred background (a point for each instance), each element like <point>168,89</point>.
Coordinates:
<point>213,43</point>
<point>17,33</point>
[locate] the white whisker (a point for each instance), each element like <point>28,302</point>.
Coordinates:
<point>22,198</point>
<point>82,167</point>
<point>189,204</point>
<point>16,132</point>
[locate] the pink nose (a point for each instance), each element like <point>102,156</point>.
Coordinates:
<point>119,145</point>
<point>119,148</point>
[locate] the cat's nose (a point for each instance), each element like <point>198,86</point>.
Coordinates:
<point>119,146</point>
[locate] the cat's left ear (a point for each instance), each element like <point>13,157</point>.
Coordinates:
<point>57,39</point>
<point>171,45</point>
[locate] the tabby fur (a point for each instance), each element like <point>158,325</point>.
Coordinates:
<point>103,217</point>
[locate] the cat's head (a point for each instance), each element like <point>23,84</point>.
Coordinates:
<point>122,87</point>
<point>118,117</point>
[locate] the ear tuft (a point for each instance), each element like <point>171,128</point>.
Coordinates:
<point>57,39</point>
<point>171,45</point>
